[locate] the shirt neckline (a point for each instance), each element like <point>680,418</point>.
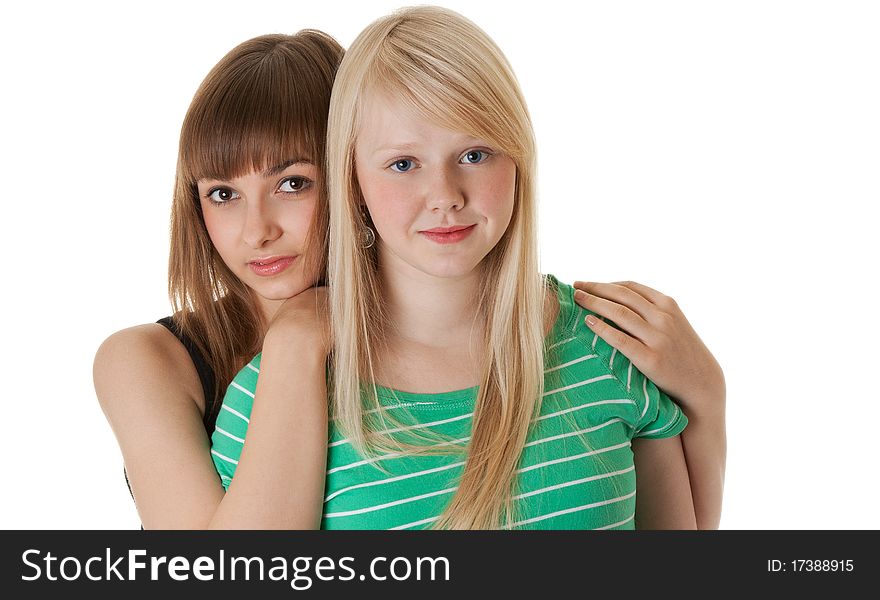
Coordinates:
<point>414,399</point>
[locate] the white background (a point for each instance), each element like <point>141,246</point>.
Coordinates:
<point>725,153</point>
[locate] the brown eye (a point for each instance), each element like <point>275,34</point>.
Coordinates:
<point>294,184</point>
<point>221,195</point>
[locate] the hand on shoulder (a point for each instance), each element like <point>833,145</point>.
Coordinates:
<point>654,334</point>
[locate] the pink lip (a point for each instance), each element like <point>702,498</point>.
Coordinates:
<point>448,235</point>
<point>270,265</point>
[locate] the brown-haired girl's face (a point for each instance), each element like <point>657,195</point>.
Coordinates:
<point>259,223</point>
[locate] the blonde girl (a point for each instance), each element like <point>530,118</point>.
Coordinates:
<point>468,391</point>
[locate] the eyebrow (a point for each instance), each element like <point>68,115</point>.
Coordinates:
<point>396,149</point>
<point>271,171</point>
<point>410,146</point>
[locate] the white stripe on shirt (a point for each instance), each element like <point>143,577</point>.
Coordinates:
<point>229,435</point>
<point>359,511</point>
<point>390,456</point>
<point>618,524</point>
<point>560,343</point>
<point>236,413</point>
<point>571,510</point>
<point>414,523</point>
<point>674,419</point>
<point>237,386</point>
<point>587,405</point>
<point>221,457</point>
<point>575,457</point>
<point>409,428</point>
<point>571,433</point>
<point>579,384</point>
<point>381,481</point>
<point>569,363</point>
<point>575,482</point>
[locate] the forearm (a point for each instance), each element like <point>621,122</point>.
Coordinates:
<point>704,441</point>
<point>279,481</point>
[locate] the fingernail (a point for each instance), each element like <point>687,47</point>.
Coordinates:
<point>591,320</point>
<point>579,295</point>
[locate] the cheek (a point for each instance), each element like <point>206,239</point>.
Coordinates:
<point>498,193</point>
<point>221,228</point>
<point>302,220</point>
<point>385,202</point>
<point>298,220</point>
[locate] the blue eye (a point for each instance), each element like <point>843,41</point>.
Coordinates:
<point>295,185</point>
<point>403,165</point>
<point>472,157</point>
<point>222,195</point>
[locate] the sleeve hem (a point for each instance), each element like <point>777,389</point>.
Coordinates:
<point>675,426</point>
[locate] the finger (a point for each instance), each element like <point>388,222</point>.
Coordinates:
<point>666,304</point>
<point>627,345</point>
<point>623,316</point>
<point>621,295</point>
<point>647,292</point>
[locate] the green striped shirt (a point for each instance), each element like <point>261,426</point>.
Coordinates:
<point>575,472</point>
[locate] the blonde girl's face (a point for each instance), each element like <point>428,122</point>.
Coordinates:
<point>259,223</point>
<point>440,200</point>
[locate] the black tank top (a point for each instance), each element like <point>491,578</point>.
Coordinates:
<point>206,376</point>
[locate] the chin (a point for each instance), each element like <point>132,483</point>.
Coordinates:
<point>451,270</point>
<point>281,290</point>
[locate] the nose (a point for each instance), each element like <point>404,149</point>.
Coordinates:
<point>445,191</point>
<point>260,225</point>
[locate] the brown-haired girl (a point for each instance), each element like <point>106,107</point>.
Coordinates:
<point>248,245</point>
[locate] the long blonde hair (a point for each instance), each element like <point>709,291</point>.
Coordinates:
<point>264,103</point>
<point>453,74</point>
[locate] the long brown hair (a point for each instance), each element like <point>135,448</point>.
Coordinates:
<point>265,102</point>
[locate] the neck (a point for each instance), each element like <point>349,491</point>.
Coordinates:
<point>435,312</point>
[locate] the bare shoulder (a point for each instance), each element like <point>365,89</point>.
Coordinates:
<point>145,361</point>
<point>151,395</point>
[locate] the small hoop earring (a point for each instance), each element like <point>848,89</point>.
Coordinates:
<point>368,237</point>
